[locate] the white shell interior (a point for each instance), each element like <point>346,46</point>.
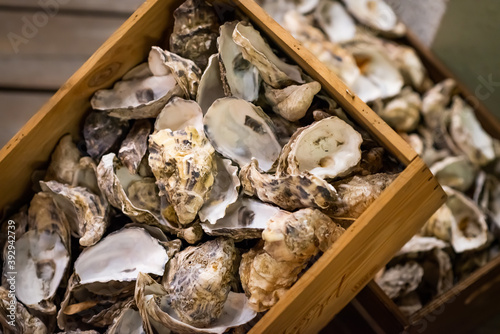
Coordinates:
<point>210,88</point>
<point>179,114</point>
<point>335,21</point>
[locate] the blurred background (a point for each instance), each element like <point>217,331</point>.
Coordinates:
<point>43,42</point>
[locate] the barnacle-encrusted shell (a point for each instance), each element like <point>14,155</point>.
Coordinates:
<point>143,253</point>
<point>292,102</point>
<point>468,134</point>
<point>469,230</point>
<point>455,172</point>
<point>199,279</point>
<point>289,192</point>
<point>138,97</point>
<point>179,114</point>
<point>241,131</point>
<point>403,112</point>
<point>275,72</point>
<point>135,145</point>
<point>240,78</point>
<point>21,321</point>
<point>63,161</point>
<point>356,194</point>
<point>102,133</point>
<point>184,71</point>
<point>377,15</point>
<point>299,235</point>
<point>224,192</point>
<point>152,300</point>
<point>245,219</point>
<point>335,21</point>
<point>182,162</point>
<point>326,149</point>
<point>211,86</point>
<point>400,280</point>
<point>88,214</point>
<point>195,31</point>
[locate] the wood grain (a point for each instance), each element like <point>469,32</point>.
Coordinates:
<point>116,6</point>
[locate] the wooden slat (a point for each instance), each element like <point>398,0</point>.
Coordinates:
<point>31,146</point>
<point>50,56</point>
<point>118,6</point>
<point>350,263</point>
<point>329,81</point>
<point>17,109</point>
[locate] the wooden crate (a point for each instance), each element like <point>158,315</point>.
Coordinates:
<point>342,271</point>
<point>471,301</point>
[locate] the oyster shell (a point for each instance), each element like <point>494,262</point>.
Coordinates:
<point>182,162</point>
<point>245,219</point>
<point>455,172</point>
<point>377,15</point>
<point>292,102</point>
<point>335,21</point>
<point>420,244</point>
<point>135,145</point>
<point>224,191</point>
<point>439,225</point>
<point>19,321</point>
<point>468,134</point>
<point>152,301</point>
<point>469,230</point>
<point>211,86</point>
<point>357,193</point>
<point>240,78</point>
<point>289,192</point>
<point>141,71</point>
<point>137,98</point>
<point>21,224</point>
<point>143,252</point>
<point>185,72</point>
<point>435,101</point>
<point>199,279</point>
<point>128,322</point>
<point>179,114</point>
<point>196,28</point>
<point>275,72</point>
<point>241,131</point>
<point>63,161</point>
<point>326,149</point>
<point>102,133</point>
<point>87,213</point>
<point>403,112</point>
<point>401,280</point>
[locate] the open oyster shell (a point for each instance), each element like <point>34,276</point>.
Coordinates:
<point>21,321</point>
<point>199,279</point>
<point>63,161</point>
<point>138,97</point>
<point>195,31</point>
<point>245,219</point>
<point>455,172</point>
<point>184,71</point>
<point>403,112</point>
<point>224,191</point>
<point>289,192</point>
<point>241,131</point>
<point>326,149</point>
<point>152,301</point>
<point>183,164</point>
<point>88,214</point>
<point>128,322</point>
<point>240,78</point>
<point>377,15</point>
<point>439,225</point>
<point>102,133</point>
<point>401,280</point>
<point>333,18</point>
<point>274,72</point>
<point>211,86</point>
<point>435,101</point>
<point>292,102</point>
<point>135,145</point>
<point>179,114</point>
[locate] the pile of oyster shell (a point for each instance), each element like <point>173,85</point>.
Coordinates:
<point>207,180</point>
<point>355,39</point>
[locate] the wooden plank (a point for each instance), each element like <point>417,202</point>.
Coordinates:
<point>358,255</point>
<point>17,109</point>
<point>329,81</point>
<point>31,146</point>
<point>118,6</point>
